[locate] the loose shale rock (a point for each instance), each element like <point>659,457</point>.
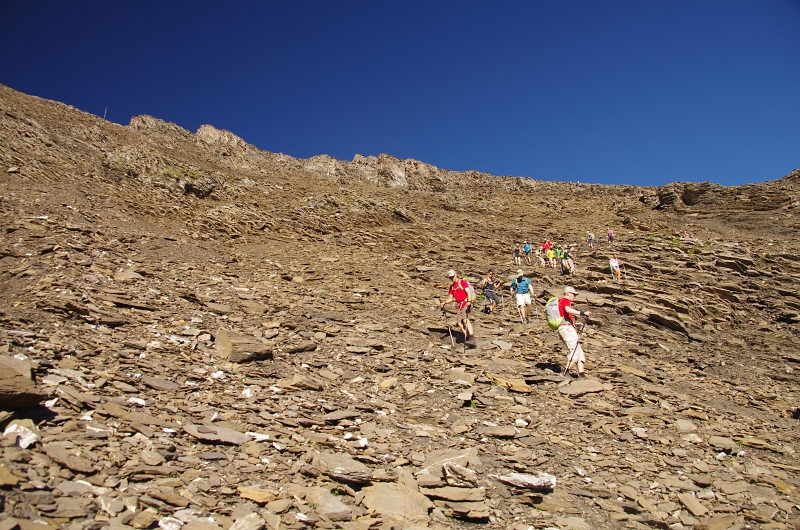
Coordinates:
<point>201,335</point>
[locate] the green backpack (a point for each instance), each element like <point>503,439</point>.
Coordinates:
<point>554,319</point>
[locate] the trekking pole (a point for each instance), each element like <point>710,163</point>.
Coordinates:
<point>446,323</point>
<point>572,355</point>
<point>626,271</point>
<point>535,310</point>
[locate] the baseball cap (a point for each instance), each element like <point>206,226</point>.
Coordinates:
<point>519,272</point>
<point>568,290</point>
<point>451,273</point>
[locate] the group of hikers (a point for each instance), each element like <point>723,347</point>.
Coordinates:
<point>563,319</point>
<point>548,254</point>
<point>462,293</point>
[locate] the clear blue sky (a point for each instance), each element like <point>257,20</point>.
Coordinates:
<point>640,91</point>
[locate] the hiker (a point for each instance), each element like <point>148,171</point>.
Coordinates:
<point>614,263</point>
<point>569,336</point>
<point>517,257</point>
<point>458,293</point>
<point>488,285</point>
<point>523,290</point>
<point>540,255</point>
<point>568,263</point>
<point>560,258</point>
<point>610,235</point>
<point>551,257</point>
<point>527,250</point>
<point>590,239</point>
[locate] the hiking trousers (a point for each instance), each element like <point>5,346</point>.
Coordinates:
<point>569,336</point>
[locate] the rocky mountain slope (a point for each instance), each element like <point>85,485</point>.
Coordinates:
<point>199,334</point>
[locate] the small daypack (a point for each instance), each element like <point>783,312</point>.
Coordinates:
<point>471,294</point>
<point>554,319</point>
<point>470,290</point>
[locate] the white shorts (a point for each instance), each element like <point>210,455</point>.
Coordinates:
<point>523,298</point>
<point>569,336</point>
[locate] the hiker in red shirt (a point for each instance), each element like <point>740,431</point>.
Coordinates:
<point>568,334</point>
<point>458,293</point>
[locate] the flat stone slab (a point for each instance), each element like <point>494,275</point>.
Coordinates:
<point>723,444</point>
<point>252,308</point>
<point>541,482</point>
<point>502,431</point>
<point>685,425</point>
<point>436,460</point>
<point>449,493</point>
<point>160,384</point>
<point>469,510</point>
<point>252,521</point>
<point>584,386</point>
<point>343,468</point>
<point>338,415</point>
<point>503,345</point>
<point>257,495</point>
<point>212,455</point>
<point>306,345</point>
<point>216,434</point>
<point>117,411</point>
<point>631,370</point>
<point>328,505</point>
<point>692,504</point>
<point>7,478</point>
<point>396,499</point>
<point>71,461</point>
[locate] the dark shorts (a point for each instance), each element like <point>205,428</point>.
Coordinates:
<point>491,296</point>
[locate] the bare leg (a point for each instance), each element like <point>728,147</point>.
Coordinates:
<point>470,331</point>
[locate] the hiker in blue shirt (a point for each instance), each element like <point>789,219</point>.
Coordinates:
<point>527,250</point>
<point>522,288</point>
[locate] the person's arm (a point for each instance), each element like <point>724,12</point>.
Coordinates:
<point>577,313</point>
<point>483,283</point>
<point>450,299</point>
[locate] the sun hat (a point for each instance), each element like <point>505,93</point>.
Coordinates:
<point>519,272</point>
<point>451,273</point>
<point>568,290</point>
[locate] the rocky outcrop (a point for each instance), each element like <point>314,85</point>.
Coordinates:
<point>715,199</point>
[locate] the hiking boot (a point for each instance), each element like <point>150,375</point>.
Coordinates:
<point>582,376</point>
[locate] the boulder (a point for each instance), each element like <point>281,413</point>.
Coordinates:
<point>17,390</point>
<point>240,348</point>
